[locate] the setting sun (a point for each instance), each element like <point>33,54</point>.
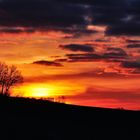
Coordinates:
<point>36,91</point>
<point>39,92</point>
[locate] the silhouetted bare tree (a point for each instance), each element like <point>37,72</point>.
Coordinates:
<point>9,76</point>
<point>3,75</point>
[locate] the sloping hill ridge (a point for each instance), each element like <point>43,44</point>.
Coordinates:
<point>26,107</point>
<point>31,118</point>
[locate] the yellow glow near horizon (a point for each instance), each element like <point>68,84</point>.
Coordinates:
<point>38,92</point>
<point>33,90</point>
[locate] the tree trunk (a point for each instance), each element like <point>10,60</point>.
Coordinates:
<point>2,89</point>
<point>7,91</point>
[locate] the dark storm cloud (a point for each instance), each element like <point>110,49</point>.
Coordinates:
<point>122,17</point>
<point>117,50</point>
<point>83,57</point>
<point>60,60</point>
<point>131,64</point>
<point>115,53</point>
<point>129,23</point>
<point>102,40</point>
<point>16,30</point>
<point>124,28</point>
<point>108,14</point>
<point>132,41</point>
<point>93,2</point>
<point>77,47</point>
<point>40,13</point>
<point>78,32</point>
<point>89,57</point>
<point>47,63</point>
<point>133,46</point>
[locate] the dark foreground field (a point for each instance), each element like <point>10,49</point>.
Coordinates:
<point>44,120</point>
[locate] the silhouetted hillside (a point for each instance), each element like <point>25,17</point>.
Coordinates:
<point>23,118</point>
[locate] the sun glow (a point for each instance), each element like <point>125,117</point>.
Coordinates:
<point>33,91</point>
<point>38,92</point>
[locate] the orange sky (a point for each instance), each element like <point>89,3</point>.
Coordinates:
<point>88,52</point>
<point>91,82</point>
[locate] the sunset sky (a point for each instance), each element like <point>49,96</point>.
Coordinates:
<point>86,50</point>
